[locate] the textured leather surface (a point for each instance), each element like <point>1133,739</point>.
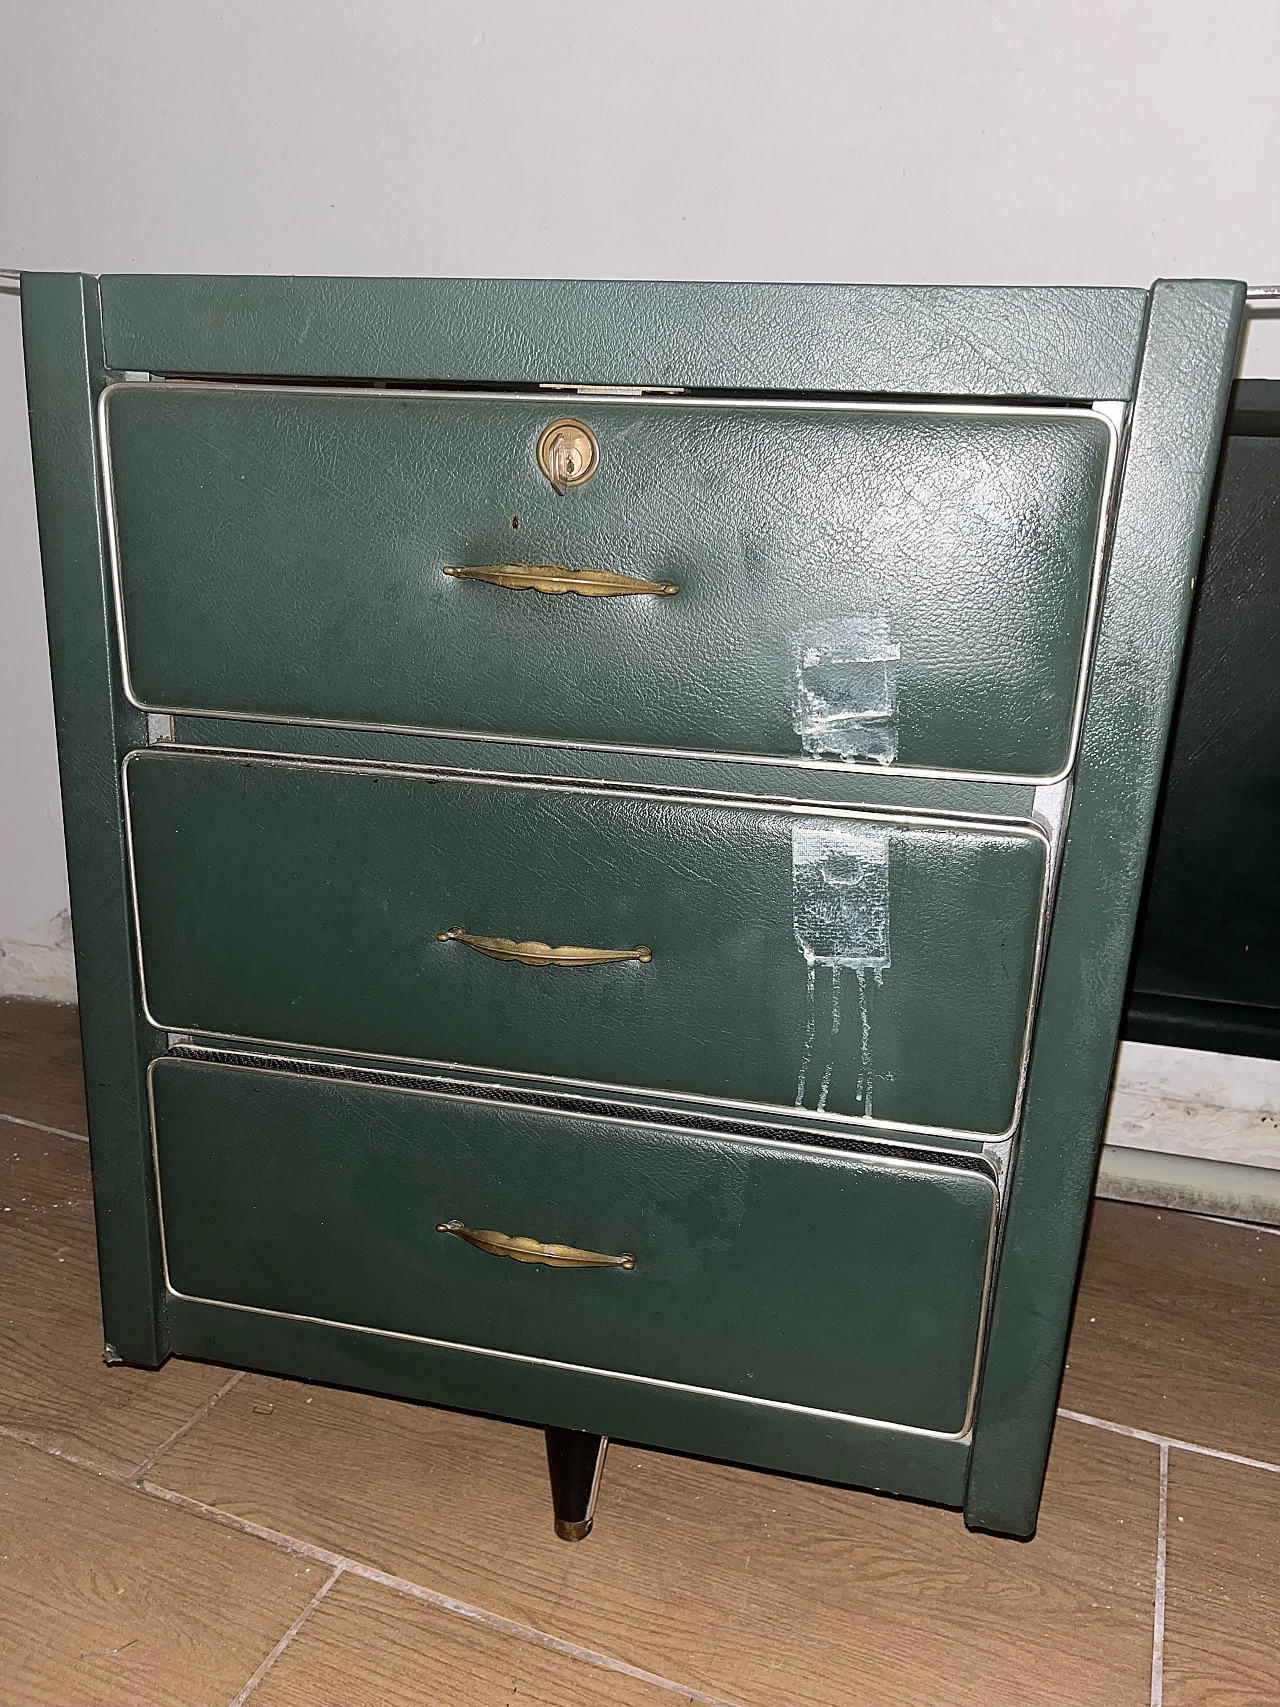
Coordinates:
<point>933,341</point>
<point>302,905</point>
<point>1001,344</point>
<point>1211,932</point>
<point>777,780</point>
<point>283,554</point>
<point>681,1419</point>
<point>821,1280</point>
<point>62,344</point>
<point>1190,355</point>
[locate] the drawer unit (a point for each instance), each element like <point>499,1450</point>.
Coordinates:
<point>829,1281</point>
<point>885,585</point>
<point>866,965</point>
<point>738,1087</point>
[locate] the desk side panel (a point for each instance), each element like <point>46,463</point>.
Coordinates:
<point>1183,392</point>
<point>62,338</point>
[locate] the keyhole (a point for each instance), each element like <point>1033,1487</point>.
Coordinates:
<point>565,463</point>
<point>567,454</point>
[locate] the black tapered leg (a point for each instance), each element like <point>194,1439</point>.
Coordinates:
<point>575,1461</point>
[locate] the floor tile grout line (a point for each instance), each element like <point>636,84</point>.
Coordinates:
<point>288,1636</point>
<point>1168,1440</point>
<point>431,1597</point>
<point>369,1573</point>
<point>39,1126</point>
<point>24,1438</point>
<point>198,1416</point>
<point>1162,1554</point>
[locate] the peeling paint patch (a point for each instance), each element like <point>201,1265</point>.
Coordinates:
<point>846,704</point>
<point>840,899</point>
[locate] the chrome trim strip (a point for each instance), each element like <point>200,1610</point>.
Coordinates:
<point>1010,829</point>
<point>999,1156</point>
<point>956,816</point>
<point>586,1369</point>
<point>632,1106</point>
<point>857,801</point>
<point>601,1451</point>
<point>1115,415</point>
<point>1049,809</point>
<point>976,1162</point>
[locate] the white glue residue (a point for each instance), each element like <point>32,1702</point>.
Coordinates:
<point>840,896</point>
<point>846,704</point>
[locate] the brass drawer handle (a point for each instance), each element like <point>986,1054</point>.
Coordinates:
<point>541,953</point>
<point>533,1250</point>
<point>551,578</point>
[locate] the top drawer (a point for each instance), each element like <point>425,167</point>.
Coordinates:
<point>857,583</point>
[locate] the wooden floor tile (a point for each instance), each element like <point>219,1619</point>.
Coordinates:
<point>40,1073</point>
<point>53,1383</point>
<point>754,1587</point>
<point>1222,1617</point>
<point>367,1646</point>
<point>110,1599</point>
<point>1177,1329</point>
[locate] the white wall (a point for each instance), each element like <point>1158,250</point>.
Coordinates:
<point>946,140</point>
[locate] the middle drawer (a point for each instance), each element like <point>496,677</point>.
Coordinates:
<point>868,966</point>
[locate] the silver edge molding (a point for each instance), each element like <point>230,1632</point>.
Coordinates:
<point>974,1162</point>
<point>989,1158</point>
<point>1114,414</point>
<point>1010,830</point>
<point>1013,818</point>
<point>960,1434</point>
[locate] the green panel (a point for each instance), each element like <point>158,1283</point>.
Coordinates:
<point>931,341</point>
<point>802,1443</point>
<point>293,940</point>
<point>781,780</point>
<point>819,1279</point>
<point>62,341</point>
<point>301,904</point>
<point>1177,425</point>
<point>906,587</point>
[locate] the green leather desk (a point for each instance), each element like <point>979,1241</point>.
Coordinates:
<point>605,825</point>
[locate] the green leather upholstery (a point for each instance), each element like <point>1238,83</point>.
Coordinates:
<point>904,587</point>
<point>840,1285</point>
<point>927,341</point>
<point>303,905</point>
<point>861,885</point>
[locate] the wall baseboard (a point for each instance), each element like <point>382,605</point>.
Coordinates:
<point>1190,1129</point>
<point>1204,1187</point>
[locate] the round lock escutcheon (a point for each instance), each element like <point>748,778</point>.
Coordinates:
<point>568,454</point>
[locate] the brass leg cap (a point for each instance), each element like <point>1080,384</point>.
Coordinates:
<point>573,1531</point>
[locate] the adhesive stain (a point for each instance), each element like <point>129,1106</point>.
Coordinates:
<point>840,895</point>
<point>846,703</point>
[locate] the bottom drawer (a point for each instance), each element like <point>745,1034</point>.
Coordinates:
<point>827,1279</point>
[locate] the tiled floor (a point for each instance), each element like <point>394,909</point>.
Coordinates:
<point>198,1536</point>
